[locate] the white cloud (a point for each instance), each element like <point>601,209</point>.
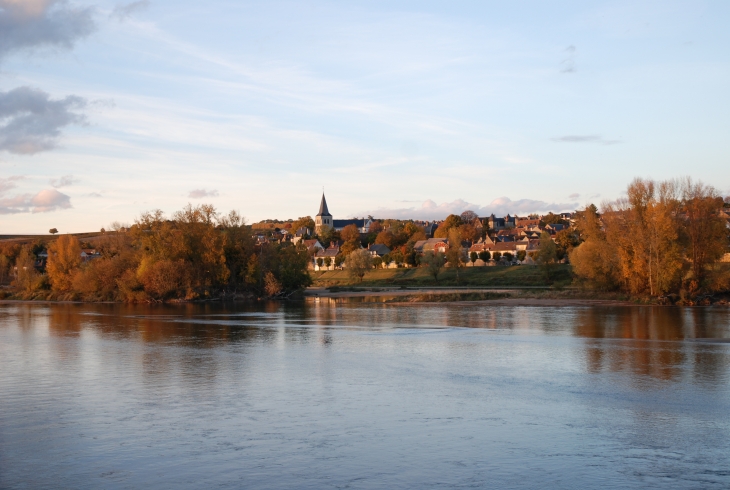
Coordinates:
<point>430,210</point>
<point>50,200</point>
<point>45,201</point>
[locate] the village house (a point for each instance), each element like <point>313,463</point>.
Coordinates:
<point>378,250</point>
<point>431,245</point>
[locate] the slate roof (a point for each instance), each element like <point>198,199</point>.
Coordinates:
<point>323,211</point>
<point>379,249</point>
<point>341,223</point>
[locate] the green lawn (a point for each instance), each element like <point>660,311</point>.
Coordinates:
<point>514,276</point>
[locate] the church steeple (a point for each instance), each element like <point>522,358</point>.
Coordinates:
<point>323,218</point>
<point>323,211</point>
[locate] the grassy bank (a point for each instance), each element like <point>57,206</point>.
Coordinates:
<point>514,276</point>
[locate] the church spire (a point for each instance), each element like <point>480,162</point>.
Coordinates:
<point>323,211</point>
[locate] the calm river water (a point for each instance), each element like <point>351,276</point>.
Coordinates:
<point>359,395</point>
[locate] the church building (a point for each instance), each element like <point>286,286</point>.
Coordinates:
<point>324,220</point>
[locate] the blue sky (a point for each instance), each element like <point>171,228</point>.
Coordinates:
<point>397,109</point>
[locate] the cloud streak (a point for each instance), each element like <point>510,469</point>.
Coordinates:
<point>31,122</point>
<point>27,25</point>
<point>588,138</point>
<point>124,11</point>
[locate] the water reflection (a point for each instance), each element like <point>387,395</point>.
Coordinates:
<point>362,395</point>
<point>655,342</point>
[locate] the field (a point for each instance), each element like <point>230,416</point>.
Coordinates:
<point>514,276</point>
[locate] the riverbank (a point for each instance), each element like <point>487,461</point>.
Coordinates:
<point>521,276</point>
<point>496,296</point>
<point>491,296</point>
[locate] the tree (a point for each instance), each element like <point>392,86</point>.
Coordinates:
<point>327,262</point>
<point>53,231</point>
<point>484,255</point>
<point>496,256</point>
<point>328,235</point>
<point>385,238</point>
<point>704,231</point>
<point>27,278</point>
<point>320,261</point>
<point>351,235</point>
<point>468,216</point>
<point>566,239</point>
<point>64,256</point>
<point>375,227</point>
<point>508,256</point>
<point>4,268</point>
<point>454,252</point>
<point>595,263</point>
<point>521,254</point>
<point>547,255</point>
<point>397,257</point>
<point>473,256</point>
<point>433,261</point>
<point>451,221</point>
<point>272,286</point>
<point>553,219</point>
<point>165,279</point>
<point>303,222</point>
<point>377,262</point>
<point>339,259</point>
<point>469,232</point>
<point>643,229</point>
<point>358,263</point>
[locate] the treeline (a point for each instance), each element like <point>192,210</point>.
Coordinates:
<point>663,238</point>
<point>195,254</point>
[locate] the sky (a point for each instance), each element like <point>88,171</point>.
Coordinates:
<point>396,109</point>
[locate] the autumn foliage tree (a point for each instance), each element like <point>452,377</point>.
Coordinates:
<point>196,253</point>
<point>64,257</point>
<point>662,237</point>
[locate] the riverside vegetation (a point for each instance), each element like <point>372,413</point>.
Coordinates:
<point>197,254</point>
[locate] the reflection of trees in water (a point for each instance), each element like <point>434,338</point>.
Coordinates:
<point>653,341</point>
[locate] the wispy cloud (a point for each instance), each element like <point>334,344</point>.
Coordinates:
<point>33,24</point>
<point>568,64</point>
<point>8,183</point>
<point>574,195</point>
<point>31,122</point>
<point>588,138</point>
<point>126,10</point>
<point>64,181</point>
<point>201,193</point>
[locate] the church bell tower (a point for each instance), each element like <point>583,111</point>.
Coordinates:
<point>323,218</point>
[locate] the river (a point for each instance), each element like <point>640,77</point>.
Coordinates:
<point>328,395</point>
